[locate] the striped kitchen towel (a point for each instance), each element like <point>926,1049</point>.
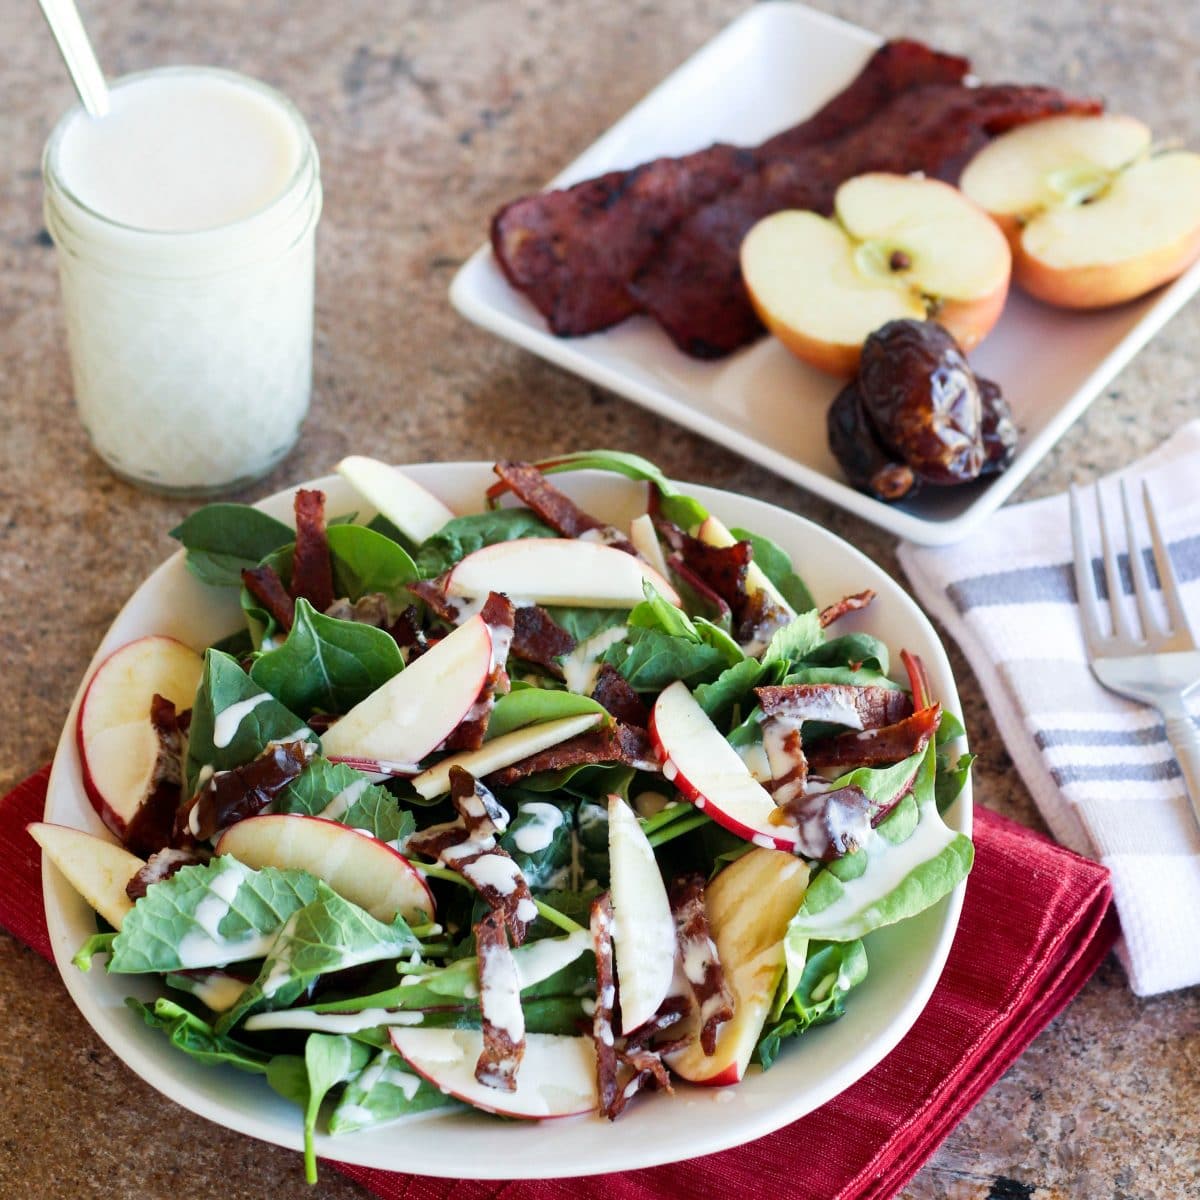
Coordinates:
<point>1099,767</point>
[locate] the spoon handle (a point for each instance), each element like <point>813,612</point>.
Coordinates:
<point>63,18</point>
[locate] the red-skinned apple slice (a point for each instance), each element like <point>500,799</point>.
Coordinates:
<point>643,926</point>
<point>557,1077</point>
<point>1093,217</point>
<point>566,571</point>
<point>416,710</point>
<point>710,772</point>
<point>364,870</point>
<point>749,905</point>
<point>414,510</point>
<point>97,869</point>
<point>895,243</point>
<point>118,747</point>
<point>713,533</point>
<point>503,751</point>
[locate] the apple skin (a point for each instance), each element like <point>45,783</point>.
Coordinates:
<point>118,696</point>
<point>366,871</point>
<point>99,870</point>
<point>731,796</point>
<point>749,905</point>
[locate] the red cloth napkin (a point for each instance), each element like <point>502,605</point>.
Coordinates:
<point>1037,922</point>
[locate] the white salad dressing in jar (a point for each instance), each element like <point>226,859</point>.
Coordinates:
<point>184,221</point>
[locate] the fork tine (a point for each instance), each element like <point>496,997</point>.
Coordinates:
<point>1122,627</point>
<point>1166,570</point>
<point>1085,586</point>
<point>1151,625</point>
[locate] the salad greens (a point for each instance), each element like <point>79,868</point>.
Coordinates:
<point>271,970</point>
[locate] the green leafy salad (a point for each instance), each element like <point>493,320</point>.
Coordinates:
<point>511,809</point>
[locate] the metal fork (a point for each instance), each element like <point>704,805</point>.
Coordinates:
<point>1154,664</point>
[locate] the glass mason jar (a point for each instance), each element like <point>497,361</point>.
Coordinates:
<point>191,352</point>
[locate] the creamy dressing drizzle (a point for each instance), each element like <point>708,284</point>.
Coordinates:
<point>205,945</point>
<point>229,719</point>
<point>545,821</point>
<point>331,1022</point>
<point>581,667</point>
<point>340,804</point>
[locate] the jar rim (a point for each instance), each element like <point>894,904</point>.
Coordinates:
<point>54,181</point>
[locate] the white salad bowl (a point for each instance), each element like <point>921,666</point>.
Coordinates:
<point>906,960</point>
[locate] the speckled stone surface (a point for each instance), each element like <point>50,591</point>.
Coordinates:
<point>428,114</point>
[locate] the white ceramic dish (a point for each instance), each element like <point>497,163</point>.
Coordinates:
<point>766,71</point>
<point>906,960</point>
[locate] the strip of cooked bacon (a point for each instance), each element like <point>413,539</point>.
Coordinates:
<point>539,639</point>
<point>432,592</point>
<point>556,508</point>
<point>244,791</point>
<point>874,747</point>
<point>497,614</point>
<point>499,1005</point>
<point>672,1010</point>
<point>615,743</point>
<point>834,823</point>
<point>601,926</point>
<point>785,756</point>
<point>648,1072</point>
<point>844,605</point>
<point>468,846</point>
<point>616,694</point>
<point>698,954</point>
<point>693,285</point>
<point>574,252</point>
<point>865,707</point>
<point>162,864</point>
<point>264,584</point>
<point>312,568</point>
<point>704,592</point>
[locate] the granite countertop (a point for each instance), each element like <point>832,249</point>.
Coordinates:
<point>427,114</point>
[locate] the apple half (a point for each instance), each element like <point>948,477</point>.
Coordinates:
<point>99,870</point>
<point>413,509</point>
<point>567,571</point>
<point>643,926</point>
<point>118,746</point>
<point>897,246</point>
<point>1093,216</point>
<point>364,870</point>
<point>407,718</point>
<point>557,1077</point>
<point>710,772</point>
<point>749,906</point>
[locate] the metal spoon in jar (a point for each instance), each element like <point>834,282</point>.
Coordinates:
<point>63,18</point>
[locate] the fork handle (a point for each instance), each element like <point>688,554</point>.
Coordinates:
<point>1185,741</point>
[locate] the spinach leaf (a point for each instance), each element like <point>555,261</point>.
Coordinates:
<point>720,639</point>
<point>459,537</point>
<point>226,693</point>
<point>365,561</point>
<point>327,665</point>
<point>243,910</point>
<point>731,688</point>
<point>380,524</point>
<point>656,613</point>
<point>98,943</point>
<point>860,649</point>
<point>795,639</point>
<point>829,971</point>
<point>385,1091</point>
<point>683,510</point>
<point>650,659</point>
<point>901,877</point>
<point>776,564</point>
<point>584,623</point>
<point>195,1037</point>
<point>221,539</point>
<point>340,793</point>
<point>539,842</point>
<point>329,1059</point>
<point>526,705</point>
<point>327,934</point>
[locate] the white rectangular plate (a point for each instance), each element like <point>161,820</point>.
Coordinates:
<point>768,70</point>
